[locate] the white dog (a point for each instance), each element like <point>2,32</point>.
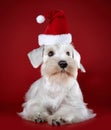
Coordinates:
<point>56,98</point>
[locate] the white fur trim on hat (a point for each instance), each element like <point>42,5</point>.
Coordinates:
<point>44,39</point>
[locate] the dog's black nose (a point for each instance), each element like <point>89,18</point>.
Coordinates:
<point>63,64</point>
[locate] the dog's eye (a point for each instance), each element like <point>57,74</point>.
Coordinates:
<point>51,53</point>
<point>68,53</point>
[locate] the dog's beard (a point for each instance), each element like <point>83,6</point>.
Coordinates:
<point>52,70</point>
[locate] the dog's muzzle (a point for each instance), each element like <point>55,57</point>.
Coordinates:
<point>63,64</point>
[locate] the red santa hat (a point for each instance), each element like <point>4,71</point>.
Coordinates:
<point>56,31</point>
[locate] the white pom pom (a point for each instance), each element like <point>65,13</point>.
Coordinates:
<point>40,19</point>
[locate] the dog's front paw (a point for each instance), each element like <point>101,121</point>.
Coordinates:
<point>38,118</point>
<point>57,121</point>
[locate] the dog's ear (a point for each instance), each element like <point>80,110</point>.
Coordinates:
<point>77,59</point>
<point>35,57</point>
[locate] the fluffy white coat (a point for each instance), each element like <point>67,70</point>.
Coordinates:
<point>56,97</point>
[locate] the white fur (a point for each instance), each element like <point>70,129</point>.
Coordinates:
<point>35,57</point>
<point>77,58</point>
<point>56,98</point>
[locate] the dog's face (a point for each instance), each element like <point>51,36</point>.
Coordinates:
<point>58,62</point>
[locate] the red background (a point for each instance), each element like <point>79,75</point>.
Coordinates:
<point>89,23</point>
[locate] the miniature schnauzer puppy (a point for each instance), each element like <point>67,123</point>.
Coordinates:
<point>56,97</point>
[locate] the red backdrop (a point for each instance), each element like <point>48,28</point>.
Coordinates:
<point>90,24</point>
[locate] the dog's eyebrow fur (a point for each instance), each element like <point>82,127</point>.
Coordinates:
<point>56,47</point>
<point>49,48</point>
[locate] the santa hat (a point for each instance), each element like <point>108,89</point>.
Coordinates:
<point>56,31</point>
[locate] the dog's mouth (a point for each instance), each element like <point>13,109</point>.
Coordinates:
<point>63,72</point>
<point>61,76</point>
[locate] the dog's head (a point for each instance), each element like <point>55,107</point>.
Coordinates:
<point>56,60</point>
